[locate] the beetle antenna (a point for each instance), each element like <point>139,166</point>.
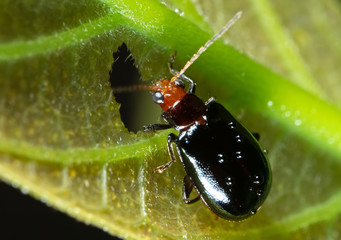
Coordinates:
<point>126,89</point>
<point>207,44</point>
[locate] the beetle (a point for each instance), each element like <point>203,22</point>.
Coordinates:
<point>223,160</point>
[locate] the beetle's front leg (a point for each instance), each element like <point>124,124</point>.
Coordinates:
<point>170,139</point>
<point>156,127</point>
<point>191,88</point>
<point>172,60</point>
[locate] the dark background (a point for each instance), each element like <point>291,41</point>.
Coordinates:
<point>23,217</point>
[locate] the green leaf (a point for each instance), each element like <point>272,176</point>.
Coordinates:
<point>62,139</point>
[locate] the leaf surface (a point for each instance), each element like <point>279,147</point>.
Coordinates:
<point>62,139</point>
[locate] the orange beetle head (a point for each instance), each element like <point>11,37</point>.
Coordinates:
<point>167,93</point>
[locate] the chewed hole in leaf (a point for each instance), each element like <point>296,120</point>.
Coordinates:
<point>136,106</point>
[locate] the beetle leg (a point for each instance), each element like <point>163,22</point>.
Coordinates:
<point>191,88</point>
<point>156,127</point>
<point>187,187</point>
<point>256,135</point>
<point>170,65</point>
<point>170,139</point>
<point>209,101</point>
<point>192,85</point>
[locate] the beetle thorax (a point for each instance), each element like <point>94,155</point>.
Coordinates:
<point>190,110</point>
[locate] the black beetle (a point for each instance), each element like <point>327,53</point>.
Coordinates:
<point>223,160</point>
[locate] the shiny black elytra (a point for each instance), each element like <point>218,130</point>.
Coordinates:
<point>226,165</point>
<point>223,160</point>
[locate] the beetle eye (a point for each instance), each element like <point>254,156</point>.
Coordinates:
<point>180,83</point>
<point>158,97</point>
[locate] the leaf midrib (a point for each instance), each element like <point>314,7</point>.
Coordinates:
<point>139,149</point>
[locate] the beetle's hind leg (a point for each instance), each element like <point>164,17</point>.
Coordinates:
<point>170,139</point>
<point>187,187</point>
